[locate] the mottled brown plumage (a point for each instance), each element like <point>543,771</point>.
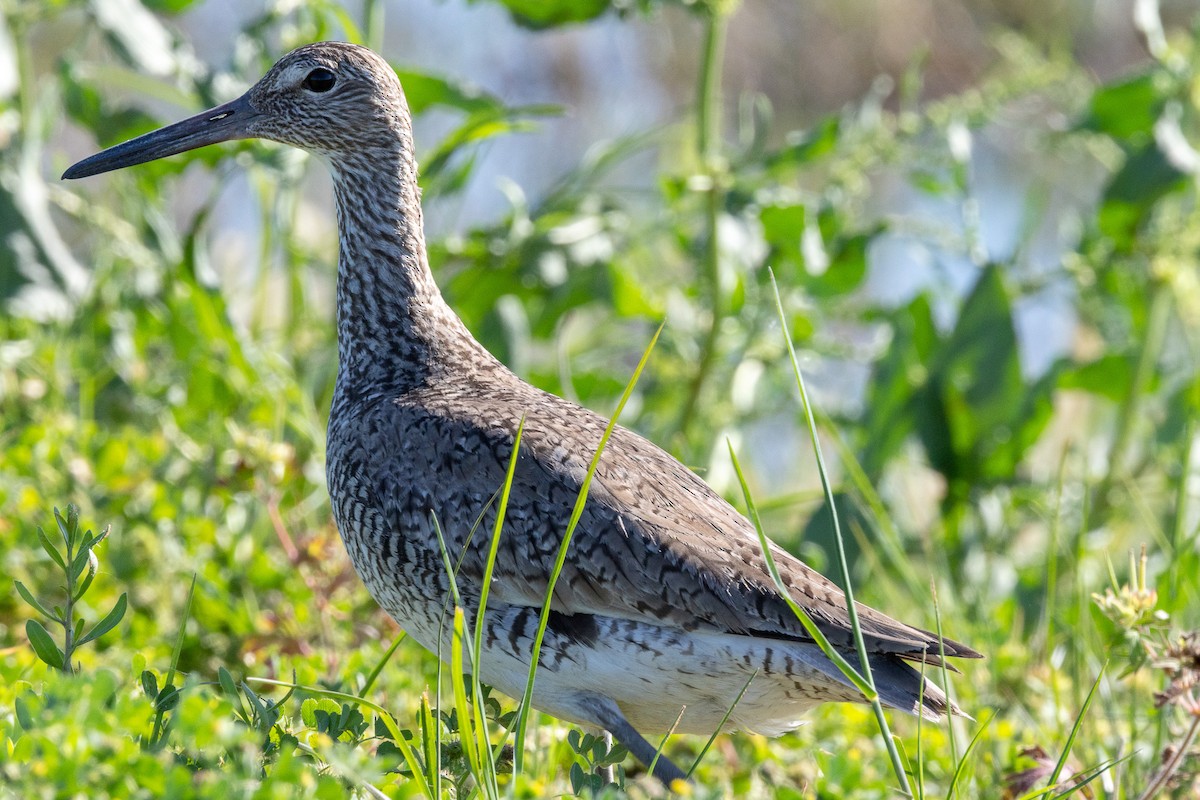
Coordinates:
<point>665,603</point>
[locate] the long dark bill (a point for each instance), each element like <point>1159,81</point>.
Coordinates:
<point>220,124</point>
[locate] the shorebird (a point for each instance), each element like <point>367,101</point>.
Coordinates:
<point>665,604</point>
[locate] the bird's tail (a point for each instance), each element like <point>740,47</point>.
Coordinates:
<point>902,686</point>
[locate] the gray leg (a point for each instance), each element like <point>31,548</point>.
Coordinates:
<point>609,773</point>
<point>608,716</point>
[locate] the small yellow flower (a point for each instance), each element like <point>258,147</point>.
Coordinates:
<point>681,787</point>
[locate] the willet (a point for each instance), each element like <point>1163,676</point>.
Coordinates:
<point>665,603</point>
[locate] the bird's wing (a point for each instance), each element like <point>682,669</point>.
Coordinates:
<point>654,542</point>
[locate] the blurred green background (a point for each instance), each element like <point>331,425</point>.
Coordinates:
<point>982,218</point>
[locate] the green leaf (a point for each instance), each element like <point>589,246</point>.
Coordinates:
<point>24,718</point>
<point>167,699</point>
<point>312,708</point>
<point>149,684</point>
<point>1127,109</point>
<point>96,540</point>
<point>42,644</point>
<point>783,229</point>
<point>1076,727</point>
<point>802,147</point>
<point>974,393</point>
<point>847,268</point>
<point>541,14</point>
<point>108,623</point>
<point>1131,195</point>
<point>424,91</point>
<point>168,6</point>
<point>231,691</point>
<point>898,377</point>
<point>82,557</point>
<point>84,585</point>
<point>28,597</point>
<point>259,709</point>
<point>51,549</point>
<point>68,527</point>
<point>1108,376</point>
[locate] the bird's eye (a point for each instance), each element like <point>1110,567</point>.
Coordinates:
<point>319,80</point>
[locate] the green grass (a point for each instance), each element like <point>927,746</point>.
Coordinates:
<point>1008,511</point>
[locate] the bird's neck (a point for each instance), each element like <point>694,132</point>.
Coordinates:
<point>394,328</point>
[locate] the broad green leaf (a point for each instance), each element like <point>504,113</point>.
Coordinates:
<point>312,705</point>
<point>1126,109</point>
<point>1108,376</point>
<point>149,684</point>
<point>137,34</point>
<point>818,530</point>
<point>896,384</point>
<point>168,6</point>
<point>540,14</point>
<point>974,393</point>
<point>424,91</point>
<point>783,229</point>
<point>847,268</point>
<point>24,718</point>
<point>167,699</point>
<point>1130,196</point>
<point>43,644</point>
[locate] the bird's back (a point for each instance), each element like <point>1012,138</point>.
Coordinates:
<point>655,545</point>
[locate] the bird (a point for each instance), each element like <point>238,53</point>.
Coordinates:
<point>665,612</point>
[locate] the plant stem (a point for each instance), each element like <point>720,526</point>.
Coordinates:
<point>1179,546</point>
<point>1147,357</point>
<point>708,143</point>
<point>1172,765</point>
<point>373,12</point>
<point>68,619</point>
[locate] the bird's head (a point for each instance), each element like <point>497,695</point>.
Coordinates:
<point>330,98</point>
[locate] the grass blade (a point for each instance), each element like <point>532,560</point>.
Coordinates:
<point>187,612</point>
<point>724,719</point>
<point>378,668</point>
<point>666,737</point>
<point>580,501</point>
<point>1087,702</point>
<point>806,620</point>
<point>501,510</point>
<point>1090,775</point>
<point>465,729</point>
<point>945,669</point>
<point>962,762</point>
<point>472,725</point>
<point>852,612</point>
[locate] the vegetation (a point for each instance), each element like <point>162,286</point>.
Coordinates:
<point>217,643</point>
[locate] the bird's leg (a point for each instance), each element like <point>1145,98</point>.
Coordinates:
<point>609,773</point>
<point>608,716</point>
